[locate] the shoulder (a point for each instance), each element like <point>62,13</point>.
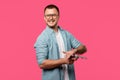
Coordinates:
<point>67,33</point>
<point>43,37</point>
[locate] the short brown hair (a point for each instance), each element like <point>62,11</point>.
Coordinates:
<point>50,6</point>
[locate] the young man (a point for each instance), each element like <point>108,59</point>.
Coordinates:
<point>56,48</point>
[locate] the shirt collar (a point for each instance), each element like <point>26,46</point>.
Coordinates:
<point>50,30</point>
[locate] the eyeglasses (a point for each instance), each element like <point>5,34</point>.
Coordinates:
<point>51,15</point>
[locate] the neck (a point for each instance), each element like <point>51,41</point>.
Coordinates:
<point>55,28</point>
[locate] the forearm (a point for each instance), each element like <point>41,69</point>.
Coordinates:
<point>49,64</point>
<point>80,50</point>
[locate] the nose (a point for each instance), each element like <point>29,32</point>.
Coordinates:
<point>51,17</point>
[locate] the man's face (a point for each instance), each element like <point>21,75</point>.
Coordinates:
<point>51,17</point>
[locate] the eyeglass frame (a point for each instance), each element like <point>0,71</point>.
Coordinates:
<point>51,15</point>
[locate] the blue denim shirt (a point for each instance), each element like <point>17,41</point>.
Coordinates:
<point>47,48</point>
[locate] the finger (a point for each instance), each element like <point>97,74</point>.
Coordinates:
<point>68,56</point>
<point>74,59</point>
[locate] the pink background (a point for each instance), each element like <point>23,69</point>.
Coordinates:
<point>96,23</point>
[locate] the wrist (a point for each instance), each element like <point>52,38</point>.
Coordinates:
<point>75,50</point>
<point>63,61</point>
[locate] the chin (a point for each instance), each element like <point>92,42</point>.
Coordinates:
<point>52,26</point>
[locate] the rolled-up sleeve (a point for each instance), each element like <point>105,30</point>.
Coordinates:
<point>41,49</point>
<point>74,42</point>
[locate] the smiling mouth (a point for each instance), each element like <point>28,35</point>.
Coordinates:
<point>52,21</point>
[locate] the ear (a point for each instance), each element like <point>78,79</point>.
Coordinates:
<point>44,18</point>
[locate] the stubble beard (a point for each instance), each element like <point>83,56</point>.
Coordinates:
<point>53,27</point>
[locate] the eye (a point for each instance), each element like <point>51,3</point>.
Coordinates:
<point>51,15</point>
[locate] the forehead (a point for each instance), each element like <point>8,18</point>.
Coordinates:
<point>51,11</point>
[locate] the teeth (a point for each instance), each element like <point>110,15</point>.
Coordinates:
<point>51,21</point>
